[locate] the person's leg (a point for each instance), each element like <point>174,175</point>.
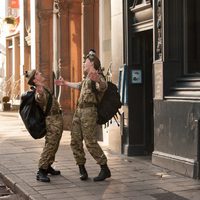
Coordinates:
<point>89,130</point>
<point>52,140</point>
<point>77,145</point>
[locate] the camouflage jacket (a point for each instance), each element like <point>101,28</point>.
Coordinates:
<point>42,100</point>
<point>87,95</point>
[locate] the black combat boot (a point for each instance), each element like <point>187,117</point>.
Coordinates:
<point>42,176</point>
<point>103,174</point>
<point>83,173</point>
<point>52,171</point>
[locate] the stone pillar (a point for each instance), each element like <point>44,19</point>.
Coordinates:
<point>105,33</point>
<point>22,46</point>
<point>44,41</point>
<point>90,25</point>
<point>63,57</point>
<point>173,133</point>
<point>34,37</point>
<point>75,52</point>
<point>158,50</point>
<point>167,49</point>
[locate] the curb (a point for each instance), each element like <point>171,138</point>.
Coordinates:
<point>18,186</point>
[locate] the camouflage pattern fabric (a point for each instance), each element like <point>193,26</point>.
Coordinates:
<point>54,124</point>
<point>86,94</point>
<point>84,127</point>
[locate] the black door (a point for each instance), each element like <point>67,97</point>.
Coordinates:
<point>140,97</point>
<point>192,40</point>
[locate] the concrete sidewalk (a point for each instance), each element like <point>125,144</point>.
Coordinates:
<point>132,178</point>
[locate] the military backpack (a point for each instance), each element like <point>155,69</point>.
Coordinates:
<point>109,105</point>
<point>32,115</point>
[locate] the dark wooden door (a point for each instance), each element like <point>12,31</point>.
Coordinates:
<point>140,93</point>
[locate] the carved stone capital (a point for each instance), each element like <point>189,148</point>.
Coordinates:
<point>64,5</point>
<point>158,27</point>
<point>45,15</point>
<point>87,2</point>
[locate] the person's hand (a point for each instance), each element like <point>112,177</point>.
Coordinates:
<point>39,89</point>
<point>59,81</point>
<point>94,76</point>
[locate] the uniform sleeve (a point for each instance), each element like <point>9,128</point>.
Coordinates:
<point>41,99</point>
<point>74,85</point>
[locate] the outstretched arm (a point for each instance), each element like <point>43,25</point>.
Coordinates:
<point>76,85</point>
<point>61,81</point>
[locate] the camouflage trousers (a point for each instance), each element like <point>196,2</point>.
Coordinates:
<point>54,125</point>
<point>84,127</point>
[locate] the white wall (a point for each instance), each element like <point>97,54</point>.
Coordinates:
<point>105,33</point>
<point>117,62</point>
<point>3,13</point>
<point>111,50</point>
<point>117,36</point>
<point>33,34</point>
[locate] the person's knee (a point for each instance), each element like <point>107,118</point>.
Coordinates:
<point>92,144</point>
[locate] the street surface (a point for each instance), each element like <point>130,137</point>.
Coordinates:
<point>6,193</point>
<point>132,178</point>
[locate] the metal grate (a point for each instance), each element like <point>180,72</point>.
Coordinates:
<point>4,191</point>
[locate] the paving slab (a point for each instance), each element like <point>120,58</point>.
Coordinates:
<point>132,177</point>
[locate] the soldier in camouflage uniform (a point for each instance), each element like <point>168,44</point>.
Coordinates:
<point>84,124</point>
<point>54,126</point>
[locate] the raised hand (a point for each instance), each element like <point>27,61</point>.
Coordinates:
<point>94,76</point>
<point>39,89</point>
<point>59,81</point>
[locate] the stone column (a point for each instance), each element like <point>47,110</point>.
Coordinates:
<point>158,50</point>
<point>90,25</point>
<point>44,43</point>
<point>22,46</point>
<point>63,57</point>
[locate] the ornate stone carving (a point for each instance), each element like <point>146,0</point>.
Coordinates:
<point>44,15</point>
<point>28,39</point>
<point>142,11</point>
<point>87,2</point>
<point>159,30</point>
<point>64,6</point>
<point>57,7</point>
<point>27,33</point>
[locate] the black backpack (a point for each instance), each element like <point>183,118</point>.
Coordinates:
<point>32,115</point>
<point>110,104</point>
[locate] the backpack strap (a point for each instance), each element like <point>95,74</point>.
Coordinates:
<point>96,96</point>
<point>49,103</point>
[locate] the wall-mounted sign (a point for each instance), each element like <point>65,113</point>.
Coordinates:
<point>136,76</point>
<point>123,84</point>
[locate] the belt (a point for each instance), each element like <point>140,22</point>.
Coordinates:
<point>86,105</point>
